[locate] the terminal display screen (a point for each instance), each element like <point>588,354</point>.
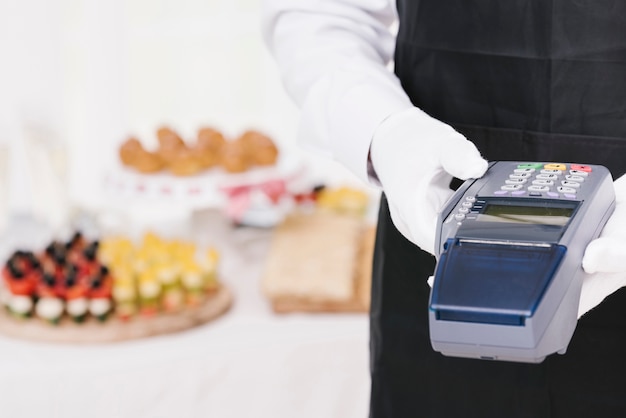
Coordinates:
<point>525,214</point>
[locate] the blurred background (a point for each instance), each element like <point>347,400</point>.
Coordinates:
<point>80,76</point>
<point>77,79</point>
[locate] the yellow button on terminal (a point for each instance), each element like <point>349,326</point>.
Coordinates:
<point>555,166</point>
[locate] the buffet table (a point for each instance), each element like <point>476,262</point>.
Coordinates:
<point>248,363</point>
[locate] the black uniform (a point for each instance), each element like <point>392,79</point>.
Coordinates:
<point>535,80</point>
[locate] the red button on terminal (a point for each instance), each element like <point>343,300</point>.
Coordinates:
<point>580,167</point>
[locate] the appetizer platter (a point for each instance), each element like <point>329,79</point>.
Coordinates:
<point>90,291</point>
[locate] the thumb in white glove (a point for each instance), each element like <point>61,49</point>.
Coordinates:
<point>415,157</point>
<point>605,257</point>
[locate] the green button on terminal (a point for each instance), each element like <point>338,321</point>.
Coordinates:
<point>536,166</point>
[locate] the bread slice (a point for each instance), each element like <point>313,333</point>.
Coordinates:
<point>317,263</point>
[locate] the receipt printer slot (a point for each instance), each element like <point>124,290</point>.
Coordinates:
<point>493,283</point>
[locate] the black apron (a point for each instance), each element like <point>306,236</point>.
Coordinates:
<point>534,80</point>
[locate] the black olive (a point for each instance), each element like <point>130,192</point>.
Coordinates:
<point>59,258</point>
<point>70,277</point>
<point>72,269</point>
<point>15,272</point>
<point>50,250</point>
<point>91,250</point>
<point>35,264</point>
<point>17,255</point>
<point>75,238</point>
<point>12,263</point>
<point>49,279</point>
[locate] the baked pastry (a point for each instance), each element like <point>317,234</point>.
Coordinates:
<point>129,149</point>
<point>168,138</point>
<point>266,155</point>
<point>260,148</point>
<point>233,157</point>
<point>134,155</point>
<point>209,138</point>
<point>207,157</point>
<point>184,162</point>
<point>208,147</point>
<point>170,143</point>
<point>147,162</point>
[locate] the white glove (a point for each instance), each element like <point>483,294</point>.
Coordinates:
<point>605,257</point>
<point>415,157</point>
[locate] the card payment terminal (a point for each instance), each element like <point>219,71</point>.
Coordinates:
<point>509,248</point>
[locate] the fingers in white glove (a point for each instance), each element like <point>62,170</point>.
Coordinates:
<point>415,158</point>
<point>465,162</point>
<point>607,253</point>
<point>620,189</point>
<point>417,220</point>
<point>605,257</point>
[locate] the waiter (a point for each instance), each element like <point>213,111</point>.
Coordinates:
<point>532,80</point>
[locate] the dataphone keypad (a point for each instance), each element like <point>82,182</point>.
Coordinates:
<point>545,180</point>
<point>553,180</point>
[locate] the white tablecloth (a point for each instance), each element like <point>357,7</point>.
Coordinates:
<point>248,363</point>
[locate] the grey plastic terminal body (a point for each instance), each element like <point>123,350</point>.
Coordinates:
<point>548,327</point>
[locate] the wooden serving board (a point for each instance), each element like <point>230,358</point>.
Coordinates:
<point>112,330</point>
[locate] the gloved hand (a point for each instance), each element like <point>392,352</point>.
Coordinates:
<point>414,157</point>
<point>605,257</point>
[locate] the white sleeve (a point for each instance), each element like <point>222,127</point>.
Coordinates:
<point>333,57</point>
